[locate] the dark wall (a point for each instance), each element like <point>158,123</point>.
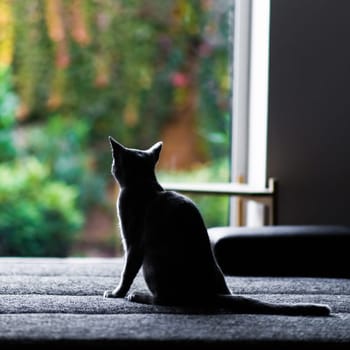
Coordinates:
<point>309,110</point>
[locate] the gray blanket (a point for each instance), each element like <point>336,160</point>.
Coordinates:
<point>58,301</point>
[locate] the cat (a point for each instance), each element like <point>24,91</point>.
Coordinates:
<point>164,232</point>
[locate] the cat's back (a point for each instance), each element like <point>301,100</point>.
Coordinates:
<point>173,220</point>
<point>172,207</point>
<point>170,199</point>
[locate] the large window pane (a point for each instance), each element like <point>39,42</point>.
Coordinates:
<point>74,72</point>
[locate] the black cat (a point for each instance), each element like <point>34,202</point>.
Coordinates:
<point>164,232</point>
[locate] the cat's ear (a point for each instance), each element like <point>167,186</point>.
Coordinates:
<point>117,148</point>
<point>155,150</point>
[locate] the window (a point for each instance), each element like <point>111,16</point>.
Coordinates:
<point>74,72</point>
<point>249,118</point>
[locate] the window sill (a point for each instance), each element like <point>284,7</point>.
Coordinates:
<point>266,196</point>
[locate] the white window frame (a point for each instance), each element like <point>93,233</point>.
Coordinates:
<point>250,102</point>
<point>249,121</point>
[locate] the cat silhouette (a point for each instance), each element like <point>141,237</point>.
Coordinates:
<point>164,233</point>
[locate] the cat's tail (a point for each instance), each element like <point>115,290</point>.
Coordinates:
<point>240,304</point>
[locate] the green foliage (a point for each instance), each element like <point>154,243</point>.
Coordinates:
<point>83,70</point>
<point>119,76</point>
<point>61,144</point>
<point>8,104</point>
<point>38,216</point>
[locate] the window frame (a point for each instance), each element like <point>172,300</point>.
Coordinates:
<point>249,122</point>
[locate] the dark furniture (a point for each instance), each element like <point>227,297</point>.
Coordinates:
<point>310,251</point>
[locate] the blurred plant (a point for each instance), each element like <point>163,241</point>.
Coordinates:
<point>8,105</point>
<point>62,144</point>
<point>123,65</point>
<point>86,69</point>
<point>38,216</point>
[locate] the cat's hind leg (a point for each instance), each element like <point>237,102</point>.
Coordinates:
<point>142,298</point>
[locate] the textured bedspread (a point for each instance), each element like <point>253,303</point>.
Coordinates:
<point>57,301</point>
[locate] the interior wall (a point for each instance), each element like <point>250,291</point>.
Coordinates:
<point>309,110</point>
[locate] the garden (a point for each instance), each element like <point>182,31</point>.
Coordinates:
<point>74,72</point>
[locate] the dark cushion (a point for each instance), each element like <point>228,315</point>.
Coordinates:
<point>313,251</point>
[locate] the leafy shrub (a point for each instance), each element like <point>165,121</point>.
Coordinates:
<point>8,103</point>
<point>38,216</point>
<point>62,144</point>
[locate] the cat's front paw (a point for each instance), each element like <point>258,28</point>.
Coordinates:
<point>113,294</point>
<point>108,294</point>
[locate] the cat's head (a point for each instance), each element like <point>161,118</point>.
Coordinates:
<point>133,166</point>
